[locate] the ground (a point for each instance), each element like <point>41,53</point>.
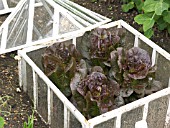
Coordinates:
<point>17,106</point>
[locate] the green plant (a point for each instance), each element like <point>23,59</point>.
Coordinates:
<point>30,123</point>
<point>151,12</point>
<point>130,4</point>
<point>110,8</point>
<point>2,122</point>
<point>93,1</point>
<point>155,12</point>
<point>99,74</point>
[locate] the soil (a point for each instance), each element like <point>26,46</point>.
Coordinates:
<point>16,106</point>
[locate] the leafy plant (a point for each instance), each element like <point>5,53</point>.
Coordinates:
<point>99,74</point>
<point>98,93</point>
<point>133,71</point>
<point>155,12</point>
<point>130,4</point>
<point>2,122</point>
<point>151,12</point>
<point>59,62</point>
<point>30,123</point>
<point>101,43</point>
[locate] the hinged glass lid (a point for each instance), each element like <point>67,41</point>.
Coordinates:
<point>29,24</point>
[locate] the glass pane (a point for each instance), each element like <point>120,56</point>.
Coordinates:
<point>37,1</point>
<point>163,70</point>
<point>36,57</point>
<point>18,28</point>
<point>146,47</point>
<point>1,5</point>
<point>66,25</point>
<point>12,3</point>
<point>74,123</point>
<point>43,22</point>
<point>157,113</point>
<point>108,124</point>
<point>3,18</point>
<point>29,78</point>
<point>128,40</point>
<point>129,119</point>
<point>57,114</point>
<point>42,99</point>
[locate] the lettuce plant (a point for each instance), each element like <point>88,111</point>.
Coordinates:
<point>59,63</point>
<point>96,46</point>
<point>132,69</point>
<point>96,88</point>
<point>102,42</point>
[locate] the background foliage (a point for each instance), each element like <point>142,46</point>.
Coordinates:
<point>151,13</point>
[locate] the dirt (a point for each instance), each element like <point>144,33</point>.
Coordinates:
<point>16,106</point>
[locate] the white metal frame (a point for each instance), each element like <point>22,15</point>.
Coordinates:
<point>8,9</point>
<point>68,106</point>
<point>84,20</point>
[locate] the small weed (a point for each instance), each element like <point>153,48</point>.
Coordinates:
<point>2,122</point>
<point>30,123</point>
<point>12,55</point>
<point>112,18</point>
<point>93,1</point>
<point>110,8</point>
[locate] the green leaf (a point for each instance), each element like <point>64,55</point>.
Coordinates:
<point>127,7</point>
<point>166,16</point>
<point>149,33</point>
<point>2,122</point>
<point>145,20</point>
<point>149,5</point>
<point>169,29</point>
<point>25,125</point>
<point>139,4</point>
<point>160,7</point>
<point>167,1</point>
<point>141,18</point>
<point>161,24</point>
<point>139,7</point>
<point>148,24</point>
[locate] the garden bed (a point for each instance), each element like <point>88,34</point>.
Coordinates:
<point>160,38</point>
<point>44,92</point>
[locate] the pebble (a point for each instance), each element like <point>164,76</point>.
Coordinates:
<point>2,56</point>
<point>18,90</point>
